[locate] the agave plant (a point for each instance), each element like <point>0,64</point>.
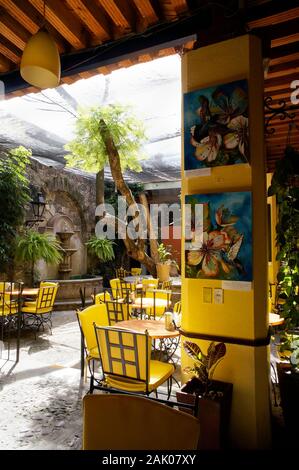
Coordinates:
<point>204,364</point>
<point>101,247</point>
<point>33,246</point>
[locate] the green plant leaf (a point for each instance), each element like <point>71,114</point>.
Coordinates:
<point>215,353</point>
<point>192,349</point>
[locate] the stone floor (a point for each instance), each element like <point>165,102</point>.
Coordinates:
<point>41,395</point>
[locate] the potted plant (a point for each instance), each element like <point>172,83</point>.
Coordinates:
<point>288,376</point>
<point>214,397</point>
<point>164,263</point>
<point>32,246</point>
<point>285,186</point>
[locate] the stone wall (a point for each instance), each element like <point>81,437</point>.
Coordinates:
<point>70,198</point>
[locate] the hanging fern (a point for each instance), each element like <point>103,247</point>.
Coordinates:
<point>102,248</point>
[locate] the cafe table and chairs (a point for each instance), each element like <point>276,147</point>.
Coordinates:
<point>38,313</point>
<point>126,361</point>
<point>10,314</point>
<point>151,304</point>
<point>160,333</point>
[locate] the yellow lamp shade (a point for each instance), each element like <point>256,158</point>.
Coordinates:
<point>40,64</point>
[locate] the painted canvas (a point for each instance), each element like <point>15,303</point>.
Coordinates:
<point>218,238</point>
<point>216,126</point>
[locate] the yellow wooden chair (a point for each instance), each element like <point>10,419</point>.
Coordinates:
<point>126,422</point>
<point>102,297</point>
<point>39,311</point>
<point>157,311</point>
<point>150,283</point>
<point>136,271</point>
<point>177,308</point>
<point>10,304</point>
<point>115,288</point>
<point>117,311</point>
<point>166,285</point>
<point>86,318</point>
<point>126,364</point>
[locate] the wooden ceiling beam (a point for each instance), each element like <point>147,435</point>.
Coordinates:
<point>63,21</point>
<point>5,64</point>
<point>115,13</point>
<point>168,9</point>
<point>280,81</point>
<point>12,30</point>
<point>31,20</point>
<point>87,12</point>
<point>284,60</point>
<point>146,11</point>
<point>180,6</point>
<point>277,18</point>
<point>10,51</point>
<point>282,41</point>
<point>283,69</point>
<point>284,50</point>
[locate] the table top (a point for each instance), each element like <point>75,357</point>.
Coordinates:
<point>30,292</point>
<point>155,328</point>
<point>134,279</point>
<point>148,302</point>
<point>275,319</point>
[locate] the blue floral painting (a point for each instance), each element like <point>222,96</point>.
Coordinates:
<point>219,242</point>
<point>216,126</point>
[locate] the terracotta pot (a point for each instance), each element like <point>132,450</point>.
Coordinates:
<point>213,411</point>
<point>163,271</point>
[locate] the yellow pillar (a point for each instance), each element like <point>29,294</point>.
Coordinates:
<point>242,318</point>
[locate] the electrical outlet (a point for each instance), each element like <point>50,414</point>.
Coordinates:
<point>207,295</point>
<point>218,296</point>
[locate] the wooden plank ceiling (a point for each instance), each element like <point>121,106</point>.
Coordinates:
<point>81,24</point>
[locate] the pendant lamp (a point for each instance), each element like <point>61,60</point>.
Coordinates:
<point>40,64</point>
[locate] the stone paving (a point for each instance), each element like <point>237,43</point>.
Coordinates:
<point>41,395</point>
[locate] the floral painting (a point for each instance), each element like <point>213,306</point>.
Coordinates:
<point>219,242</point>
<point>216,126</point>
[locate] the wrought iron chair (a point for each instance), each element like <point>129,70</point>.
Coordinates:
<point>117,311</point>
<point>157,311</point>
<point>118,422</point>
<point>10,317</point>
<point>126,289</point>
<point>39,312</point>
<point>126,364</point>
<point>86,318</point>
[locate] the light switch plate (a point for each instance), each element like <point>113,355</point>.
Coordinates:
<point>207,295</point>
<point>218,296</point>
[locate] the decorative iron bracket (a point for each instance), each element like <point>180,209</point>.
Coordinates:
<point>281,111</point>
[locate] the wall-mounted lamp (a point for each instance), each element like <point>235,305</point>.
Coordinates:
<point>38,208</point>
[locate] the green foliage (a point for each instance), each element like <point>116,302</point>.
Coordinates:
<point>289,349</point>
<point>164,254</point>
<point>87,149</point>
<point>14,196</point>
<point>102,248</point>
<point>285,186</point>
<point>204,364</point>
<point>33,246</point>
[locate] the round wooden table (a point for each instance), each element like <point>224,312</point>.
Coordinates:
<point>148,302</point>
<point>30,292</point>
<point>156,328</point>
<point>275,319</point>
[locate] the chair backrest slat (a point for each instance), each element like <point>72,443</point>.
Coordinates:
<point>117,311</point>
<point>124,353</point>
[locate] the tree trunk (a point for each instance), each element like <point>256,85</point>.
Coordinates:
<point>152,239</point>
<point>135,249</point>
<point>100,199</point>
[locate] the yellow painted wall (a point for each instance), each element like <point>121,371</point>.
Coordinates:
<point>243,314</point>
